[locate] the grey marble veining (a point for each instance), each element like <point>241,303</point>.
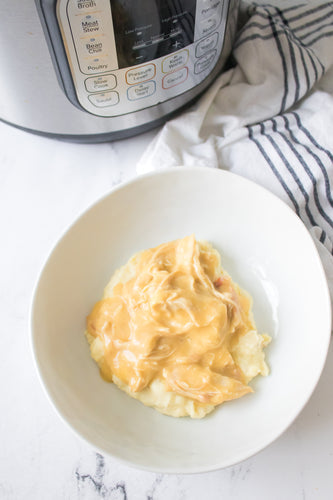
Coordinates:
<point>44,186</point>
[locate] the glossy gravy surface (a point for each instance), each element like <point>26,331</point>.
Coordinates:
<point>175,319</point>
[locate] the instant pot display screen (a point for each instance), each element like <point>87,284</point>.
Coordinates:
<point>148,29</point>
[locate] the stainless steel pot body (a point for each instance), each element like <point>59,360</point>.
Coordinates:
<point>94,70</point>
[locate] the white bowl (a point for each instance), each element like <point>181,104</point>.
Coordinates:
<point>266,249</point>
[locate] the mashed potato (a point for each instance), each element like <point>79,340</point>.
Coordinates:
<point>173,331</point>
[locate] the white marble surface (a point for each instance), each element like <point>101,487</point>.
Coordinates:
<point>44,185</point>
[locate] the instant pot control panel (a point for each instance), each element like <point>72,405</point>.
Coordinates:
<point>127,55</point>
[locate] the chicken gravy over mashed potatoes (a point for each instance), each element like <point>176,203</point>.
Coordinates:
<point>175,332</point>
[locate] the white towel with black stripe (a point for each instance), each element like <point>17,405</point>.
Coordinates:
<point>270,117</point>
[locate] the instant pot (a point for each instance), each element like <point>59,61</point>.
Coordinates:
<point>95,70</point>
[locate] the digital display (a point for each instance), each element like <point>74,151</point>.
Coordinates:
<point>149,29</point>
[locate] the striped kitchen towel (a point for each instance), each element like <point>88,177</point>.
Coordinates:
<point>270,117</point>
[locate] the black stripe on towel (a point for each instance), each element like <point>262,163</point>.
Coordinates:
<point>306,69</point>
<point>313,23</point>
<point>274,169</point>
<point>257,36</point>
<point>309,12</point>
<point>289,22</point>
<point>312,56</point>
<point>292,172</point>
<point>283,62</point>
<point>303,62</point>
<point>292,57</point>
<point>302,49</point>
<point>262,26</point>
<point>310,137</point>
<point>310,151</point>
<point>322,237</point>
<point>319,37</point>
<point>305,167</point>
<point>266,155</point>
<point>280,176</point>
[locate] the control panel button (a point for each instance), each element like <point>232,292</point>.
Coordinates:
<point>209,25</point>
<point>204,62</point>
<point>95,65</point>
<point>209,16</point>
<point>84,5</point>
<point>140,56</point>
<point>98,83</point>
<point>210,8</point>
<point>93,46</point>
<point>176,42</point>
<point>140,74</point>
<point>90,24</point>
<point>206,45</point>
<point>175,61</point>
<point>105,99</point>
<point>175,78</point>
<point>141,91</point>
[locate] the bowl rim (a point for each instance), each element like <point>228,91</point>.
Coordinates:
<point>174,470</point>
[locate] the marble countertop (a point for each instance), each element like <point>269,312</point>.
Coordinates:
<point>44,185</point>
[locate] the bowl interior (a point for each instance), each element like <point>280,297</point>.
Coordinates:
<point>264,247</point>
